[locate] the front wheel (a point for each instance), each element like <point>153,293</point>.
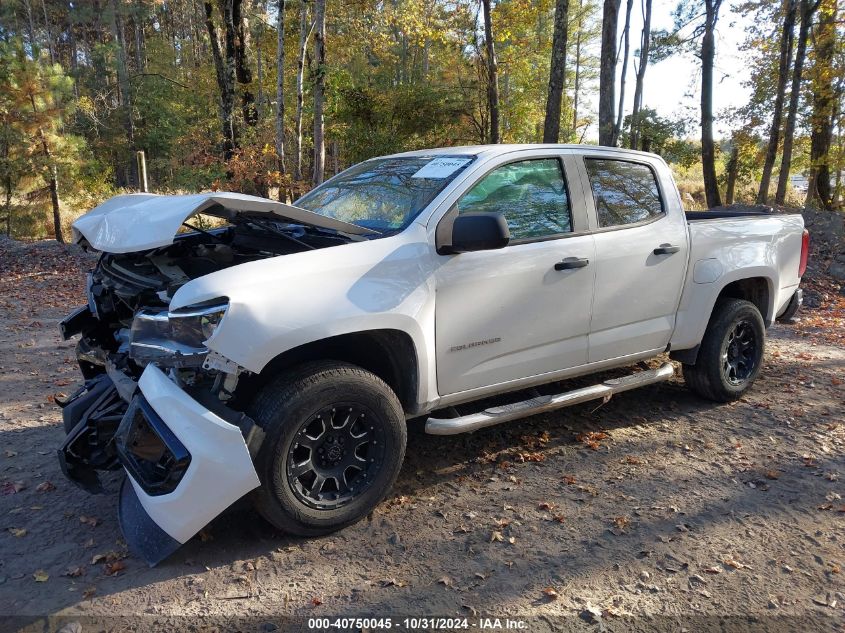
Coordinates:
<point>335,441</point>
<point>731,352</point>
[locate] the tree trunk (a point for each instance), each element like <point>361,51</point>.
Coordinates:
<point>808,8</point>
<point>300,82</point>
<point>52,179</point>
<point>237,54</point>
<point>607,71</point>
<point>708,147</point>
<point>823,106</point>
<point>8,205</point>
<point>786,41</point>
<point>645,45</point>
<point>733,167</point>
<point>74,62</point>
<point>626,34</point>
<point>319,90</point>
<point>577,87</point>
<point>50,48</point>
<point>492,73</point>
<point>280,93</point>
<point>557,74</point>
<point>124,89</point>
<point>138,28</point>
<point>225,72</point>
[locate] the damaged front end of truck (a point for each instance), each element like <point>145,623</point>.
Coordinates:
<point>157,401</point>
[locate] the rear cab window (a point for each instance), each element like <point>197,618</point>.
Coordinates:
<point>625,192</point>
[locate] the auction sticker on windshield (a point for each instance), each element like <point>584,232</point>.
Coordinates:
<point>441,167</point>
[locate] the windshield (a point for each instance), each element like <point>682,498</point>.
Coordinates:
<point>384,194</point>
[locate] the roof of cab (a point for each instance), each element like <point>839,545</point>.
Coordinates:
<point>487,150</point>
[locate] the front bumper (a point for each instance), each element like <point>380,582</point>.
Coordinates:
<point>186,462</point>
<point>216,467</point>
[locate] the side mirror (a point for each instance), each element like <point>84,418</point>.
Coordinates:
<point>477,232</point>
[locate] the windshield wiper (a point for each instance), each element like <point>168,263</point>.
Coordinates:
<point>275,231</point>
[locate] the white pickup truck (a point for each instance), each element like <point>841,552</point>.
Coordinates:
<point>281,352</point>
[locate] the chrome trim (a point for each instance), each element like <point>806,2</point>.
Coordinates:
<point>541,404</point>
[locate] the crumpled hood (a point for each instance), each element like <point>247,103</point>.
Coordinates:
<point>142,221</point>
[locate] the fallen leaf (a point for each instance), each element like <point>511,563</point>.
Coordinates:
<point>40,575</point>
<point>316,602</point>
<point>550,593</point>
<point>18,532</point>
<point>10,453</point>
<point>735,564</point>
<point>545,505</point>
<point>445,580</point>
<point>114,568</point>
<point>89,593</point>
<point>496,536</point>
<point>512,540</point>
<point>46,486</point>
<point>569,480</point>
<point>12,487</point>
<point>559,518</point>
<point>92,521</point>
<point>772,474</point>
<point>392,582</point>
<point>713,570</point>
<point>621,522</point>
<point>74,572</point>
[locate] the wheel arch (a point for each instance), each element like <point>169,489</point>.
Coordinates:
<point>758,289</point>
<point>390,354</point>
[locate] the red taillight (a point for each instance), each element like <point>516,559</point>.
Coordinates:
<point>805,252</point>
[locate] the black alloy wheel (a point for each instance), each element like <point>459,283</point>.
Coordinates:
<point>335,454</point>
<point>739,357</point>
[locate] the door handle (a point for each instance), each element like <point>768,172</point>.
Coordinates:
<point>572,262</point>
<point>666,249</point>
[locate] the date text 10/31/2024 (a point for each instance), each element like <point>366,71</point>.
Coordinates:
<point>421,623</point>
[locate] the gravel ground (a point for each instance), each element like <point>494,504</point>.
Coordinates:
<point>653,510</point>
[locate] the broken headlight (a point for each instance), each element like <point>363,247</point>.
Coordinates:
<point>174,338</point>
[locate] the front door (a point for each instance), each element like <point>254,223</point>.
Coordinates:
<point>507,314</point>
<point>641,257</point>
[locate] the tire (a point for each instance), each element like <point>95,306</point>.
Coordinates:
<point>731,352</point>
<point>317,412</point>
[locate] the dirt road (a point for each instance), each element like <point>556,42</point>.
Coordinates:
<point>653,504</point>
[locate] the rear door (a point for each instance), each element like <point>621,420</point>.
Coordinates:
<point>641,254</point>
<point>502,315</point>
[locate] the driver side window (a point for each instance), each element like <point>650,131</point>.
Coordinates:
<point>531,194</point>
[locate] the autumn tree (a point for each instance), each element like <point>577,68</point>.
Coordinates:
<point>492,72</point>
<point>34,108</point>
<point>557,74</point>
<point>708,145</point>
<point>807,11</point>
<point>607,76</point>
<point>319,91</point>
<point>787,37</point>
<point>825,94</point>
<point>645,49</point>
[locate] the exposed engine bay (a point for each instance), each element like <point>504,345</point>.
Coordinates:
<point>126,325</point>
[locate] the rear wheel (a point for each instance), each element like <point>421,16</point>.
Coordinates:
<point>334,444</point>
<point>731,352</point>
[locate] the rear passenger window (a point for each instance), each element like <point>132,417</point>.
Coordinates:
<point>531,194</point>
<point>624,192</point>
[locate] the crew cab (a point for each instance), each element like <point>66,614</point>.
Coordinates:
<point>278,350</point>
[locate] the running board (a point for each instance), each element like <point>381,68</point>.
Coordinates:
<point>541,404</point>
